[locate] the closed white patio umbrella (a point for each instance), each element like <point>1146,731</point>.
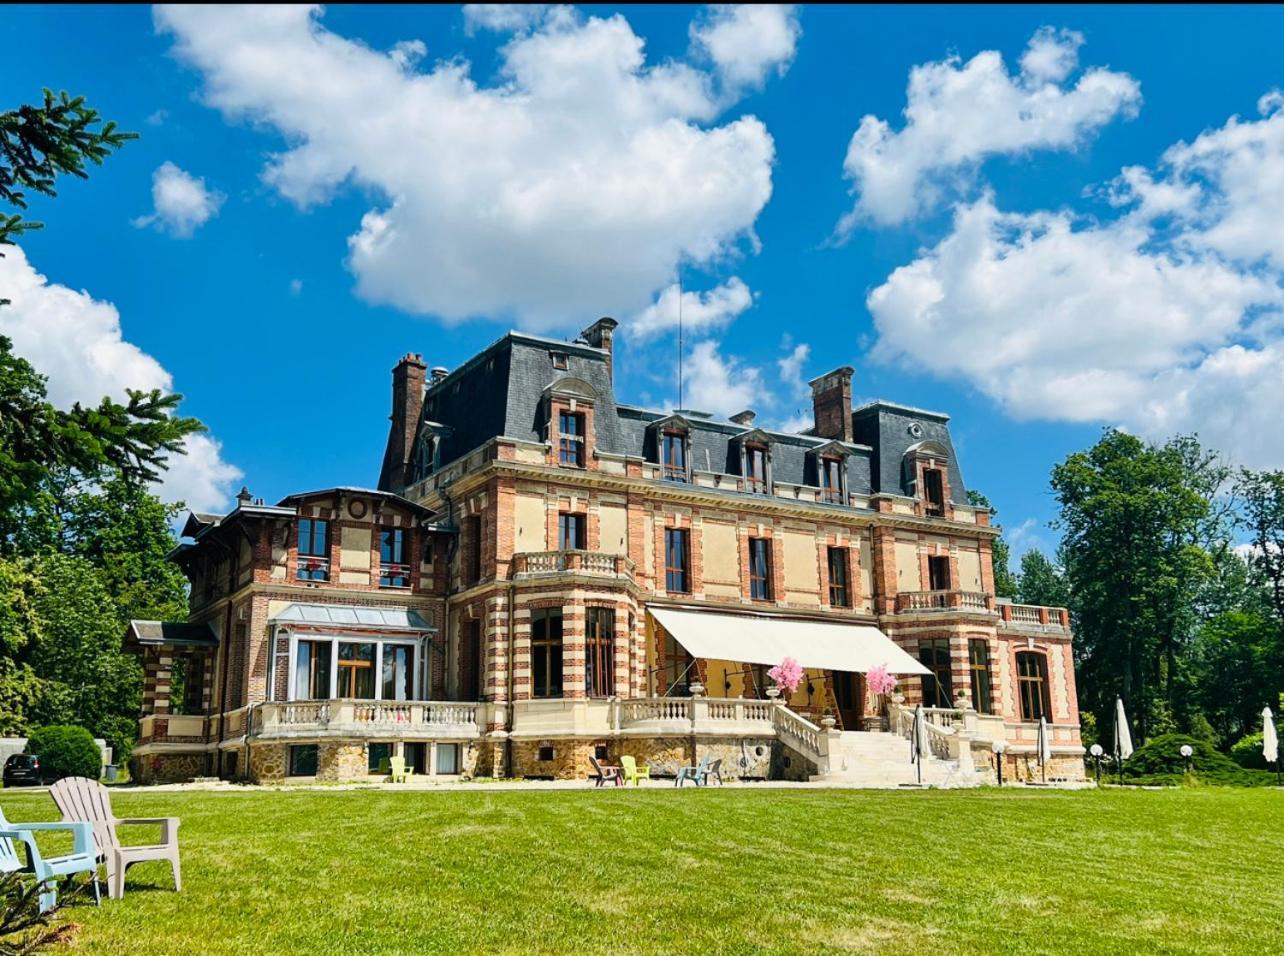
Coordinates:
<point>1270,742</point>
<point>1045,748</point>
<point>1123,737</point>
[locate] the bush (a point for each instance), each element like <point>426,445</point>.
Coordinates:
<point>1247,752</point>
<point>1160,761</point>
<point>65,751</point>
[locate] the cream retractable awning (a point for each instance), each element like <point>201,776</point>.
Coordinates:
<point>756,639</point>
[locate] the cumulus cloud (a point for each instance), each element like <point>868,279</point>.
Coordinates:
<point>791,370</point>
<point>75,340</point>
<point>181,202</point>
<point>573,185</point>
<point>700,311</point>
<point>502,17</point>
<point>959,114</point>
<point>1165,318</point>
<point>720,385</point>
<point>748,42</point>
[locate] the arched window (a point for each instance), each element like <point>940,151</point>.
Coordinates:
<point>1032,683</point>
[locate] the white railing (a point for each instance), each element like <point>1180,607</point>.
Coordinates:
<point>572,561</point>
<point>1033,616</point>
<point>337,717</point>
<point>804,736</point>
<point>394,576</point>
<point>312,567</point>
<point>655,708</point>
<point>941,601</point>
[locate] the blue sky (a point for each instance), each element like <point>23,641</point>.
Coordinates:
<point>519,170</point>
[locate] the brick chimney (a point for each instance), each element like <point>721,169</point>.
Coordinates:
<point>831,399</point>
<point>599,335</point>
<point>408,380</point>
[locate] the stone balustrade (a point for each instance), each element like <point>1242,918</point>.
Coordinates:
<point>368,718</point>
<point>908,602</point>
<point>593,563</point>
<point>1031,617</point>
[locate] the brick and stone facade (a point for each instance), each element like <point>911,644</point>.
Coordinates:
<point>863,519</point>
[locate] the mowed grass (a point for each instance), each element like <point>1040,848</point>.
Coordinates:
<point>734,870</point>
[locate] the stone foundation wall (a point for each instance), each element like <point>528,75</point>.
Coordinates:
<point>747,758</point>
<point>268,763</point>
<point>342,760</point>
<point>169,768</point>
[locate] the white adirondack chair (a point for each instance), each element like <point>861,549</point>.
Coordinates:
<point>86,801</point>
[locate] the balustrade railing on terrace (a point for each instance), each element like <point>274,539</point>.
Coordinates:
<point>941,601</point>
<point>364,716</point>
<point>1032,616</point>
<point>572,562</point>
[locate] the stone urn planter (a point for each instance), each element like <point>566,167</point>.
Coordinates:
<point>828,722</point>
<point>773,692</point>
<point>697,689</point>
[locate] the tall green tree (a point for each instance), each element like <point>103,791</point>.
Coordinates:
<point>40,142</point>
<point>1005,584</point>
<point>1138,521</point>
<point>1041,581</point>
<point>1261,495</point>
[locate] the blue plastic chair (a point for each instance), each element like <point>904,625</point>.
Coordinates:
<point>694,774</point>
<point>47,869</point>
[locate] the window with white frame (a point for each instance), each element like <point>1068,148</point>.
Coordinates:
<point>327,668</point>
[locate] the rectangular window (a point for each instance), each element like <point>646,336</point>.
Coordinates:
<point>756,469</point>
<point>839,596</point>
<point>416,755</point>
<point>831,471</point>
<point>448,758</point>
<point>978,656</point>
<point>599,652</point>
<point>570,532</point>
<point>378,757</point>
<point>473,548</point>
<point>546,652</point>
<point>570,438</point>
<point>677,561</point>
<point>312,670</point>
<point>760,569</point>
<point>193,685</point>
<point>356,671</point>
<point>934,492</point>
<point>938,686</point>
<point>1032,679</point>
<point>394,572</point>
<point>673,455</point>
<point>470,668</point>
<point>303,760</point>
<point>398,672</point>
<point>313,563</point>
<point>938,573</point>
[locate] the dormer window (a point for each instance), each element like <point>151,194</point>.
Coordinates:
<point>934,492</point>
<point>673,456</point>
<point>833,480</point>
<point>755,470</point>
<point>560,360</point>
<point>570,439</point>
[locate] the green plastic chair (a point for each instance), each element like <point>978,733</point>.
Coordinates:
<point>47,869</point>
<point>400,772</point>
<point>633,772</point>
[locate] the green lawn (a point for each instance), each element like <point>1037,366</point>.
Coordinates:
<point>737,870</point>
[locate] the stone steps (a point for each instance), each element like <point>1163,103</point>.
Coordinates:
<point>882,761</point>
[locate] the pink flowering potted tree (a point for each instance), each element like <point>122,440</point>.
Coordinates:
<point>786,676</point>
<point>880,683</point>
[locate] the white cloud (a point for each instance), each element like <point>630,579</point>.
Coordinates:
<point>720,385</point>
<point>75,340</point>
<point>958,114</point>
<point>502,17</point>
<point>791,370</point>
<point>573,186</point>
<point>296,286</point>
<point>157,117</point>
<point>748,42</point>
<point>700,312</point>
<point>181,202</point>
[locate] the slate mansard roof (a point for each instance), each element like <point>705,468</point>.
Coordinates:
<point>500,392</point>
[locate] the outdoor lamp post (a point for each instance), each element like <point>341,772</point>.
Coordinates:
<point>999,747</point>
<point>1186,752</point>
<point>1096,751</point>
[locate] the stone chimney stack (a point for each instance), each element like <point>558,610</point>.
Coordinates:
<point>599,335</point>
<point>408,380</point>
<point>831,398</point>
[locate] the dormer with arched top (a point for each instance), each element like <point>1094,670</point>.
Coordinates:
<point>568,404</point>
<point>925,475</point>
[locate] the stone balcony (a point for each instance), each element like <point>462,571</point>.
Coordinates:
<point>598,564</point>
<point>1030,617</point>
<point>367,718</point>
<point>913,602</point>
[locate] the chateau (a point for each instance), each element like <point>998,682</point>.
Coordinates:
<point>544,574</point>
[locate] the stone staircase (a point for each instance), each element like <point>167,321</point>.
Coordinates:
<point>882,761</point>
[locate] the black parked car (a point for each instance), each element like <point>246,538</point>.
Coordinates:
<point>22,770</point>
